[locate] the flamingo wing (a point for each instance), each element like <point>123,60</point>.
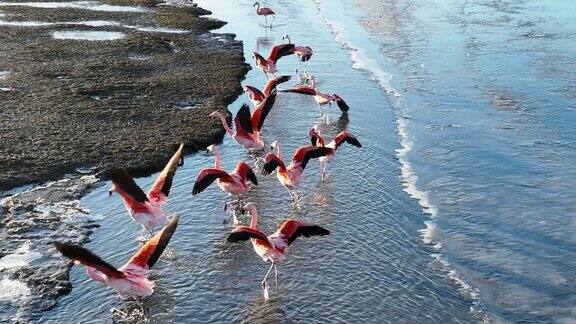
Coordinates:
<point>341,103</point>
<point>345,136</point>
<point>243,120</point>
<point>83,256</point>
<point>302,90</point>
<point>126,183</point>
<point>261,112</point>
<point>291,229</point>
<point>244,233</point>
<point>206,177</point>
<point>272,84</point>
<point>316,138</point>
<point>245,172</point>
<point>151,251</point>
<point>279,51</point>
<point>272,162</point>
<point>304,154</point>
<point>260,60</point>
<point>161,187</point>
<point>254,94</point>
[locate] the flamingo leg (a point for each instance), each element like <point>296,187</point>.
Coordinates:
<point>276,275</point>
<point>264,287</point>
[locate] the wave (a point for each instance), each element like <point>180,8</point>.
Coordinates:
<point>389,79</point>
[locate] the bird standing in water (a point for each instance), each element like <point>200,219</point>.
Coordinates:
<point>321,98</point>
<point>291,175</point>
<point>234,183</point>
<point>339,139</point>
<point>145,209</point>
<point>272,247</point>
<point>264,11</point>
<point>130,280</point>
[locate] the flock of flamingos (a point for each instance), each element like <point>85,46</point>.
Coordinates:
<point>131,280</point>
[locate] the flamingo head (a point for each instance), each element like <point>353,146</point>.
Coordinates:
<point>111,190</point>
<point>210,149</point>
<point>249,208</point>
<point>256,4</point>
<point>273,145</point>
<point>314,131</point>
<point>286,37</point>
<point>215,114</point>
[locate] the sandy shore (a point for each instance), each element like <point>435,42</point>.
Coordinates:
<point>68,104</point>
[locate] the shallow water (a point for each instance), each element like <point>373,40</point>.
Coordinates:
<point>458,207</point>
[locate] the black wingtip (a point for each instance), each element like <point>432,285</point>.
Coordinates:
<point>343,105</point>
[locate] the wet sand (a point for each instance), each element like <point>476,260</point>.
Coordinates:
<point>69,104</point>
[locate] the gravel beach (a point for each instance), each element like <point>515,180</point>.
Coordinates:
<point>68,103</point>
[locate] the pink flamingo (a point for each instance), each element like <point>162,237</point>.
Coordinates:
<point>317,140</point>
<point>268,65</point>
<point>130,280</point>
<point>264,11</point>
<point>257,96</point>
<point>291,175</point>
<point>272,247</point>
<point>145,209</point>
<point>234,183</point>
<point>248,125</point>
<point>321,98</point>
<point>304,53</point>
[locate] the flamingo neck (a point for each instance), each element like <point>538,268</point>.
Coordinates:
<point>257,7</point>
<point>313,83</point>
<point>253,218</point>
<point>217,159</point>
<point>95,275</point>
<point>288,38</point>
<point>279,151</point>
<point>225,124</point>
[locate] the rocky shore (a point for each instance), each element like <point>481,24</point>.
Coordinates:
<point>125,102</point>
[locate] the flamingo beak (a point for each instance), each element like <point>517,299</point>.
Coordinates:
<point>110,193</point>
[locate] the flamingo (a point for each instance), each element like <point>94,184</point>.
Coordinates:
<point>272,247</point>
<point>234,183</point>
<point>291,176</point>
<point>145,209</point>
<point>130,280</point>
<point>257,96</point>
<point>321,98</point>
<point>317,140</point>
<point>264,11</point>
<point>304,53</point>
<point>248,125</point>
<point>268,65</point>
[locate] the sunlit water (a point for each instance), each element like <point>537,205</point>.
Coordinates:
<point>458,207</point>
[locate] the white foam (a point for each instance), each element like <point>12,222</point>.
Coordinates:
<point>86,5</point>
<point>19,258</point>
<point>88,35</point>
<point>13,290</point>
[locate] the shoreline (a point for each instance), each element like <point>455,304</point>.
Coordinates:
<point>98,105</point>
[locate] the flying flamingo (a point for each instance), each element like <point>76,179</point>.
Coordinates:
<point>304,53</point>
<point>234,183</point>
<point>145,208</point>
<point>321,98</point>
<point>268,65</point>
<point>290,176</point>
<point>317,140</point>
<point>248,125</point>
<point>130,280</point>
<point>257,96</point>
<point>272,247</point>
<point>264,11</point>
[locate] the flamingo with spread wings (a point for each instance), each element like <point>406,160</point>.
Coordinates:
<point>339,139</point>
<point>304,54</point>
<point>268,65</point>
<point>248,125</point>
<point>234,183</point>
<point>273,247</point>
<point>321,98</point>
<point>130,280</point>
<point>257,96</point>
<point>145,209</point>
<point>291,175</point>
